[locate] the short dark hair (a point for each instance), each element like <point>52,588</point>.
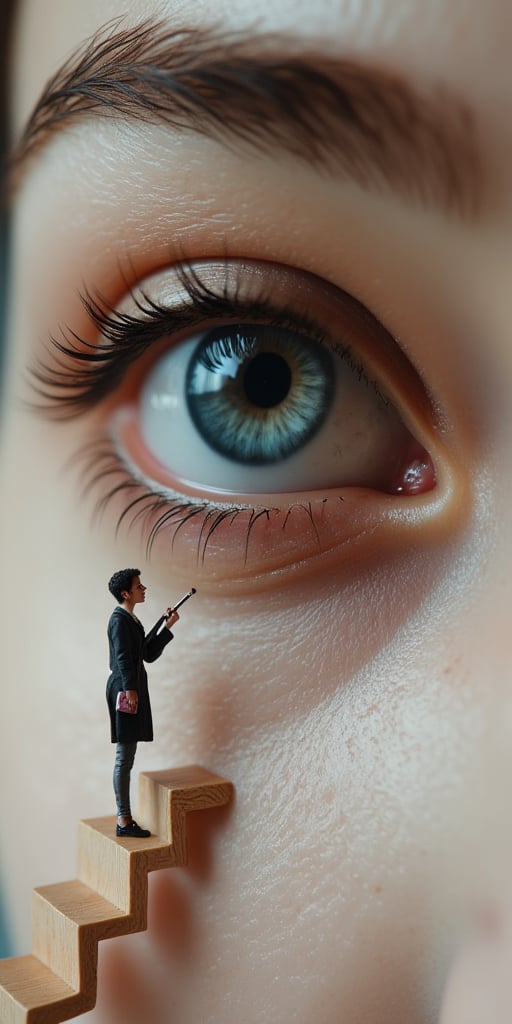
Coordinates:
<point>122,580</point>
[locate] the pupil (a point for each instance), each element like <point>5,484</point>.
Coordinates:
<point>267,380</point>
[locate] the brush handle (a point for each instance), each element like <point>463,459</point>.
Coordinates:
<point>158,625</point>
<point>183,599</point>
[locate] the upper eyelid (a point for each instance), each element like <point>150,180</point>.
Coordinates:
<point>81,372</point>
<point>80,379</point>
<point>75,382</point>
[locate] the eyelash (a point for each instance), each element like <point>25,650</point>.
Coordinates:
<point>89,371</point>
<point>101,460</point>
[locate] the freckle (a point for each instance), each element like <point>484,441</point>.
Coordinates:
<point>449,668</point>
<point>376,890</point>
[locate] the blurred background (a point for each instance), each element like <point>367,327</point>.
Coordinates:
<point>5,15</point>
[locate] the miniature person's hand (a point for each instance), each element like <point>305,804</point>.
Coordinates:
<point>171,617</point>
<point>132,698</point>
<point>479,986</point>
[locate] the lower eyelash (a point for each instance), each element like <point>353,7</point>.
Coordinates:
<point>99,461</point>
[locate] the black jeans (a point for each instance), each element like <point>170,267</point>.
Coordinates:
<point>125,756</point>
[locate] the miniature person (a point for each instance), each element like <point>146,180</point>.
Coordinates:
<point>332,178</point>
<point>129,648</point>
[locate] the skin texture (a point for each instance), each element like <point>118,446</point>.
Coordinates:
<point>358,695</point>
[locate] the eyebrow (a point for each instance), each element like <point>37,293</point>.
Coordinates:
<point>269,94</point>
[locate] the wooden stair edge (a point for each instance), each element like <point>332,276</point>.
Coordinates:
<point>58,980</point>
<point>168,796</point>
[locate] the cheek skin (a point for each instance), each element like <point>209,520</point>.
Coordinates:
<point>349,798</point>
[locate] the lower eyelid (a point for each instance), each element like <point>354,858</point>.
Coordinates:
<point>240,545</point>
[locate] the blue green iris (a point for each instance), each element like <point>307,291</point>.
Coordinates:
<point>257,394</point>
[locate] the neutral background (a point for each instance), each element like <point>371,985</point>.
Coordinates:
<point>5,10</point>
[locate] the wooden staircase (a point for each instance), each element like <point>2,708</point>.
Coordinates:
<point>108,898</point>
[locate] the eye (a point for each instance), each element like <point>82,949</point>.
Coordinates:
<point>248,408</point>
<point>245,398</point>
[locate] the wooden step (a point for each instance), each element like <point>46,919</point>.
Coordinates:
<point>108,898</point>
<point>68,920</point>
<point>31,993</point>
<point>167,797</point>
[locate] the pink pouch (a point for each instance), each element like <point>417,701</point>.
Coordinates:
<point>123,705</point>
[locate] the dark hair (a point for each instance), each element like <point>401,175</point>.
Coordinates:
<point>122,580</point>
<point>6,41</point>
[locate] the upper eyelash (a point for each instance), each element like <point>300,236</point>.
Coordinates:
<point>81,373</point>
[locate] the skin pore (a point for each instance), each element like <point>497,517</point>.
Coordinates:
<point>347,661</point>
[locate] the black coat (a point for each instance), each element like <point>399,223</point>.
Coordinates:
<point>129,648</point>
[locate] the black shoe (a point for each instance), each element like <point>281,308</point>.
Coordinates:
<point>132,831</point>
